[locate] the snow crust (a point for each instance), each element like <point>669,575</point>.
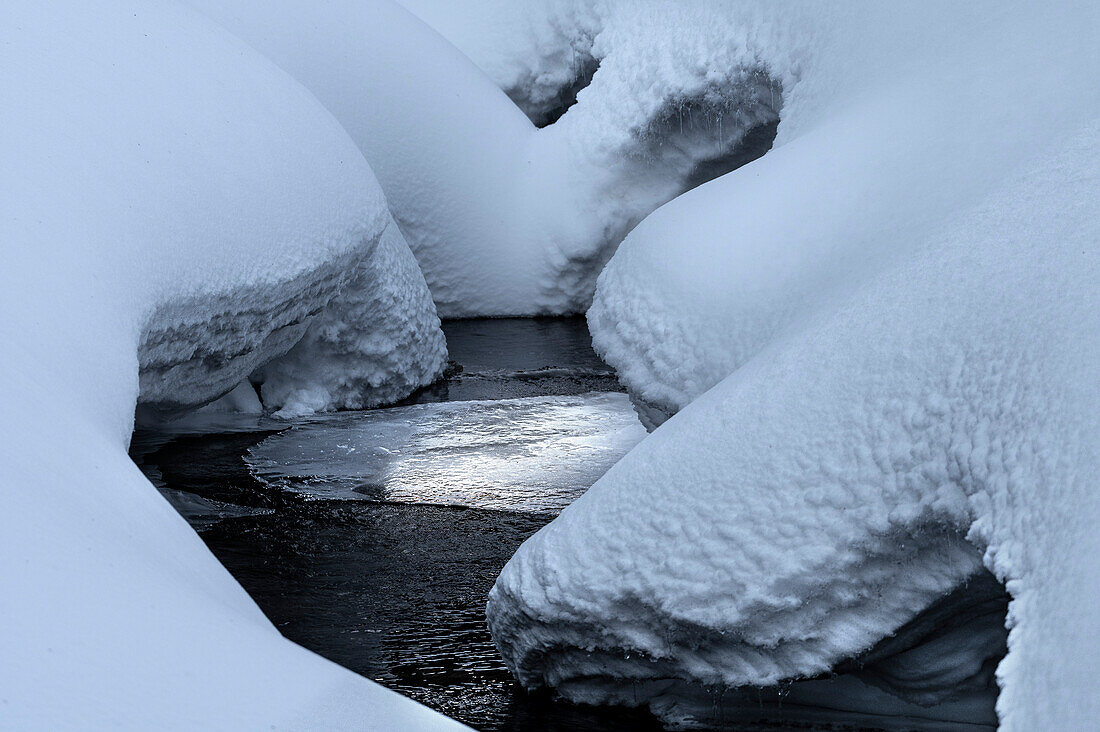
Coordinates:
<point>243,399</point>
<point>175,210</point>
<point>879,342</point>
<point>378,342</point>
<point>506,219</point>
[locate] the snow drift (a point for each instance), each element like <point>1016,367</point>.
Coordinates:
<point>375,344</point>
<point>506,219</point>
<point>176,210</point>
<point>881,341</point>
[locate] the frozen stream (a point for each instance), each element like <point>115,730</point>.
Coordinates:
<point>373,537</point>
<point>534,454</point>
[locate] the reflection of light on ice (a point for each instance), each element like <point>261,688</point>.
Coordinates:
<point>533,454</point>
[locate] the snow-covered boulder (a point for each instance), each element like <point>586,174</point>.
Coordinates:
<point>175,209</point>
<point>505,218</point>
<point>882,339</point>
<point>539,52</point>
<point>376,343</point>
<point>885,135</point>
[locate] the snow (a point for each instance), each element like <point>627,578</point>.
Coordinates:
<point>504,218</point>
<point>879,342</point>
<point>175,211</point>
<point>869,357</point>
<point>880,157</point>
<point>376,344</point>
<point>533,454</point>
<point>243,399</point>
<point>537,53</point>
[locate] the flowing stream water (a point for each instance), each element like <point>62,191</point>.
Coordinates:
<point>373,537</point>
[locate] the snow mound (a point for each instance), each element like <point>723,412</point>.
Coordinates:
<point>357,331</point>
<point>825,493</point>
<point>376,344</point>
<point>881,340</point>
<point>152,163</point>
<point>504,218</point>
<point>875,150</point>
<point>540,54</point>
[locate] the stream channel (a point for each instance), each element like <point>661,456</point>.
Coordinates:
<point>373,537</point>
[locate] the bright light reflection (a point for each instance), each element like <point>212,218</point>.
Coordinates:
<point>534,454</point>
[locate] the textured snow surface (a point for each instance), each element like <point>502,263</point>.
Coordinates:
<point>376,343</point>
<point>882,140</point>
<point>358,330</point>
<point>172,204</point>
<point>882,342</point>
<point>534,454</point>
<point>506,219</point>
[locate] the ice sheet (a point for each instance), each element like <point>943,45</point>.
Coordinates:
<point>533,454</point>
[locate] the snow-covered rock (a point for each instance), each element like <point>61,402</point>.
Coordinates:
<point>355,331</point>
<point>880,143</point>
<point>904,292</point>
<point>175,208</point>
<point>539,53</point>
<point>504,218</point>
<point>378,341</point>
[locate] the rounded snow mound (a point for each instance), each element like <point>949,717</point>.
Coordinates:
<point>176,210</point>
<point>879,343</point>
<point>375,344</point>
<point>505,218</point>
<point>828,491</point>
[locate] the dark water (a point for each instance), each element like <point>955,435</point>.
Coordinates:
<point>392,590</point>
<point>389,583</point>
<point>519,357</point>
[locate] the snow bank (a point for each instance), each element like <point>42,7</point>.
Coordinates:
<point>153,164</point>
<point>904,292</point>
<point>880,143</point>
<point>506,219</point>
<point>356,331</point>
<point>376,344</point>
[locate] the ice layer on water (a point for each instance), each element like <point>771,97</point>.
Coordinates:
<point>535,454</point>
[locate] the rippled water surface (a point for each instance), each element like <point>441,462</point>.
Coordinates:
<point>373,537</point>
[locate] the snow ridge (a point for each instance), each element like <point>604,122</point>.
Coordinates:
<point>504,218</point>
<point>878,344</point>
<point>175,210</point>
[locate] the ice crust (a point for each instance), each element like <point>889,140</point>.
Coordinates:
<point>879,342</point>
<point>175,209</point>
<point>504,218</point>
<point>533,454</point>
